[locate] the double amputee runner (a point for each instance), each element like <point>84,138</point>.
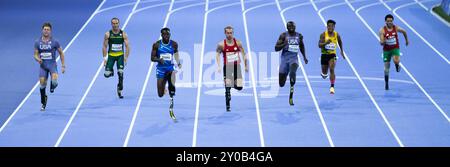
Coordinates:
<point>45,54</point>
<point>113,51</point>
<point>231,48</point>
<point>163,52</point>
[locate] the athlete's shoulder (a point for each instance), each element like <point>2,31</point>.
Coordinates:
<point>382,29</point>
<point>299,35</point>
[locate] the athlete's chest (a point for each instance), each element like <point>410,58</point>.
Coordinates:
<point>46,45</point>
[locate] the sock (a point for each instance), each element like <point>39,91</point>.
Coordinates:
<point>332,83</point>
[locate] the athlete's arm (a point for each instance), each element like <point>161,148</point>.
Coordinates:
<point>154,57</point>
<point>404,34</point>
<point>302,49</point>
<point>36,56</point>
<point>322,41</point>
<point>219,50</point>
<point>381,36</point>
<point>244,56</point>
<point>61,55</point>
<point>176,55</point>
<point>340,45</point>
<point>281,42</point>
<point>127,46</point>
<point>105,46</point>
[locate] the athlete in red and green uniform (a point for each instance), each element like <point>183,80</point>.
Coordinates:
<point>391,47</point>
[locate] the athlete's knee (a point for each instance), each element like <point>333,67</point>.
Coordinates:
<point>54,83</point>
<point>108,74</point>
<point>160,92</point>
<point>228,82</point>
<point>172,90</point>
<point>120,72</point>
<point>282,79</point>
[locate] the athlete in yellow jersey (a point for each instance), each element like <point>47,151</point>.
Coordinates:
<point>328,43</point>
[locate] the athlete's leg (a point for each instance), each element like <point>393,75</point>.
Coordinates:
<point>283,72</point>
<point>227,77</point>
<point>324,62</point>
<point>292,78</point>
<point>237,76</point>
<point>332,65</point>
<point>171,79</point>
<point>43,74</point>
<point>109,71</point>
<point>387,66</point>
<point>161,85</point>
<point>120,67</point>
<point>54,74</point>
<point>397,62</point>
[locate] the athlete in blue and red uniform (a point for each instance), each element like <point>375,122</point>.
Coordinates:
<point>164,51</point>
<point>45,54</point>
<point>231,48</point>
<point>290,43</point>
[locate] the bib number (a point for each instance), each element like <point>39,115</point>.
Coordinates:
<point>166,56</point>
<point>116,47</point>
<point>46,55</point>
<point>293,48</point>
<point>330,46</point>
<point>232,57</point>
<point>391,41</point>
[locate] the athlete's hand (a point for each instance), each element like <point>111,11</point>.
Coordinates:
<point>306,60</point>
<point>39,61</point>
<point>343,55</point>
<point>63,69</point>
<point>179,65</point>
<point>125,61</point>
<point>161,60</point>
<point>246,68</point>
<point>407,43</point>
<point>329,41</point>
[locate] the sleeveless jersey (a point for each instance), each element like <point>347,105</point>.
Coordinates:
<point>115,42</point>
<point>331,47</point>
<point>231,53</point>
<point>391,39</point>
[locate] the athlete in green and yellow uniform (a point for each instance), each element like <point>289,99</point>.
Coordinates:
<point>113,51</point>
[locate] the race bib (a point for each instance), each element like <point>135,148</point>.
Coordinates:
<point>391,41</point>
<point>232,57</point>
<point>116,47</point>
<point>46,55</point>
<point>330,46</point>
<point>166,56</point>
<point>293,48</point>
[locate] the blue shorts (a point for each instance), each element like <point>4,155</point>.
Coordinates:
<point>47,67</point>
<point>161,72</point>
<point>286,62</point>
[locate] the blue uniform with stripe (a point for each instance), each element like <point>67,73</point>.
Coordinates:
<point>166,52</point>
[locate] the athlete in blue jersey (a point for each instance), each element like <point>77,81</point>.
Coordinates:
<point>45,54</point>
<point>164,52</point>
<point>290,43</point>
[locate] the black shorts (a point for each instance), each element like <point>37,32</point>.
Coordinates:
<point>325,58</point>
<point>232,72</point>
